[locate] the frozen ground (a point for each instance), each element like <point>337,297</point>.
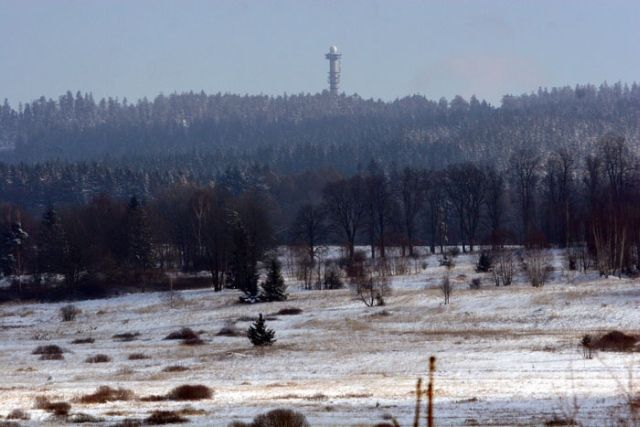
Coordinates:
<point>505,356</point>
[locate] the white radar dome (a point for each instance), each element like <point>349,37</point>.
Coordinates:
<point>333,49</point>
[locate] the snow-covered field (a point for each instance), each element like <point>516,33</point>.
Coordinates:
<point>505,356</point>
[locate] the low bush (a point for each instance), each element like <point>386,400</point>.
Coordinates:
<point>128,422</point>
<point>98,358</point>
<point>49,352</point>
<point>165,417</point>
<point>280,418</point>
<point>289,311</point>
<point>192,341</point>
<point>106,394</point>
<point>446,261</point>
<point>60,409</point>
<point>453,251</point>
<point>332,279</point>
<point>69,312</point>
<point>138,356</point>
<point>18,414</point>
<point>615,341</point>
<point>175,368</point>
<point>190,392</point>
<point>182,334</point>
<point>475,283</point>
<point>83,341</point>
<point>485,262</point>
<point>229,330</point>
<point>127,336</point>
<point>82,418</point>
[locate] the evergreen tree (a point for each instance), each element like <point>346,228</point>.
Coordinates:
<point>139,248</point>
<point>243,267</point>
<point>52,243</point>
<point>11,247</point>
<point>259,334</point>
<point>274,288</point>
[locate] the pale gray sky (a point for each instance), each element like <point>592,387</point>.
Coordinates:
<point>391,48</point>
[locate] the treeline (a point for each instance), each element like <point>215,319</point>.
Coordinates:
<point>590,205</point>
<point>291,134</point>
<point>108,243</point>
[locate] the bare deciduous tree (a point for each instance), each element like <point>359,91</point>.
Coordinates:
<point>345,205</point>
<point>465,186</point>
<point>446,288</point>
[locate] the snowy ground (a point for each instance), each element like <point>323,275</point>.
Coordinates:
<point>505,356</point>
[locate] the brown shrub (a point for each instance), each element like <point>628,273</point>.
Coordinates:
<point>106,394</point>
<point>288,311</point>
<point>81,418</point>
<point>190,392</point>
<point>60,409</point>
<point>18,414</point>
<point>49,352</point>
<point>165,417</point>
<point>230,330</point>
<point>280,418</point>
<point>83,341</point>
<point>560,421</point>
<point>47,349</point>
<point>69,312</point>
<point>98,358</point>
<point>192,341</point>
<point>182,334</point>
<point>615,341</point>
<point>128,422</point>
<point>127,336</point>
<point>175,368</point>
<point>138,356</point>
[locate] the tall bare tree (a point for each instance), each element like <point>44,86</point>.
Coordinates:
<point>465,186</point>
<point>346,207</point>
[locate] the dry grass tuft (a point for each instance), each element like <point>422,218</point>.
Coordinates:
<point>83,341</point>
<point>60,409</point>
<point>128,422</point>
<point>18,414</point>
<point>98,358</point>
<point>289,311</point>
<point>192,341</point>
<point>138,356</point>
<point>182,334</point>
<point>230,330</point>
<point>175,368</point>
<point>81,418</point>
<point>165,417</point>
<point>127,336</point>
<point>106,394</point>
<point>560,421</point>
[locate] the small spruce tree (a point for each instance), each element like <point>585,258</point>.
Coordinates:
<point>259,334</point>
<point>274,288</point>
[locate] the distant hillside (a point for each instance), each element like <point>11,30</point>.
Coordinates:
<point>309,132</point>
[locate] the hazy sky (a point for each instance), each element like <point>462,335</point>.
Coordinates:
<point>391,48</point>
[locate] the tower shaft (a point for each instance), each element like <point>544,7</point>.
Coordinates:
<point>334,70</point>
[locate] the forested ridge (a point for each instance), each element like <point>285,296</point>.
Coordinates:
<point>72,149</point>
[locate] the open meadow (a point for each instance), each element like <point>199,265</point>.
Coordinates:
<point>505,355</point>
